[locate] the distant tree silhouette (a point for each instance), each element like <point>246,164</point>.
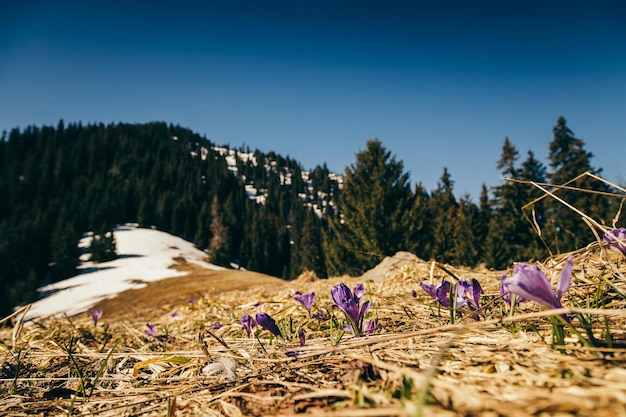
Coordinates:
<point>103,247</point>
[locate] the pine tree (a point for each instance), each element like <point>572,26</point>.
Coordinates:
<point>419,233</point>
<point>103,247</point>
<point>511,236</point>
<point>219,247</point>
<point>371,220</point>
<point>464,251</point>
<point>568,159</point>
<point>506,222</point>
<point>535,216</point>
<point>443,206</point>
<point>481,226</point>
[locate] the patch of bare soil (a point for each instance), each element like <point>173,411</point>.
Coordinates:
<point>160,297</point>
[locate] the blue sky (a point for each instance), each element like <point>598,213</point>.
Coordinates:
<point>441,84</point>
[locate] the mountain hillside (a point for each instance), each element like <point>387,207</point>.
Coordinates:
<point>258,211</point>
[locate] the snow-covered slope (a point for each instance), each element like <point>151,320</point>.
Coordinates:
<point>144,256</point>
<point>309,197</point>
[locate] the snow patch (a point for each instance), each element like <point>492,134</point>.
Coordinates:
<point>145,255</point>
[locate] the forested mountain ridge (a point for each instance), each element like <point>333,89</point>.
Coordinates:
<point>264,212</point>
<point>58,183</point>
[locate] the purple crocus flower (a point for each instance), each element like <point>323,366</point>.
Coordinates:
<point>530,283</point>
<point>616,238</point>
<point>150,330</point>
<point>96,315</point>
<point>216,326</point>
<point>350,303</point>
<point>320,315</point>
<point>248,323</point>
<point>307,300</point>
<point>439,291</point>
<point>268,323</point>
<point>371,326</point>
<point>468,294</point>
<point>302,337</point>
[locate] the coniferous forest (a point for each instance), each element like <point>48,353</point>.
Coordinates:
<point>264,212</point>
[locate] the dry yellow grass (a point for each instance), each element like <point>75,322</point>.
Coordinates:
<point>415,364</point>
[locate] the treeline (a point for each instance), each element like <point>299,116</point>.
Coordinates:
<point>379,212</point>
<point>56,183</point>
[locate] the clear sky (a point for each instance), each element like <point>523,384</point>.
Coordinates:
<point>440,83</point>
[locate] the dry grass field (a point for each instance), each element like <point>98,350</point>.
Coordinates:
<point>199,361</point>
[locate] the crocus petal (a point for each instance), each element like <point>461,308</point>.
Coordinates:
<point>341,294</point>
<point>150,330</point>
<point>477,291</point>
<point>302,337</point>
<point>461,289</point>
<point>530,283</point>
<point>352,310</point>
<point>359,290</point>
<point>306,299</point>
<point>439,291</point>
<point>430,289</point>
<point>616,238</point>
<point>268,323</point>
<point>505,293</point>
<point>468,293</point>
<point>247,322</point>
<point>320,315</point>
<point>365,308</point>
<point>565,279</point>
<point>443,293</point>
<point>370,326</point>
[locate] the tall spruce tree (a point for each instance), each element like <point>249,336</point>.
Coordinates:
<point>568,159</point>
<point>506,223</point>
<point>533,248</point>
<point>372,212</point>
<point>419,233</point>
<point>443,206</point>
<point>481,226</point>
<point>219,245</point>
<point>464,250</point>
